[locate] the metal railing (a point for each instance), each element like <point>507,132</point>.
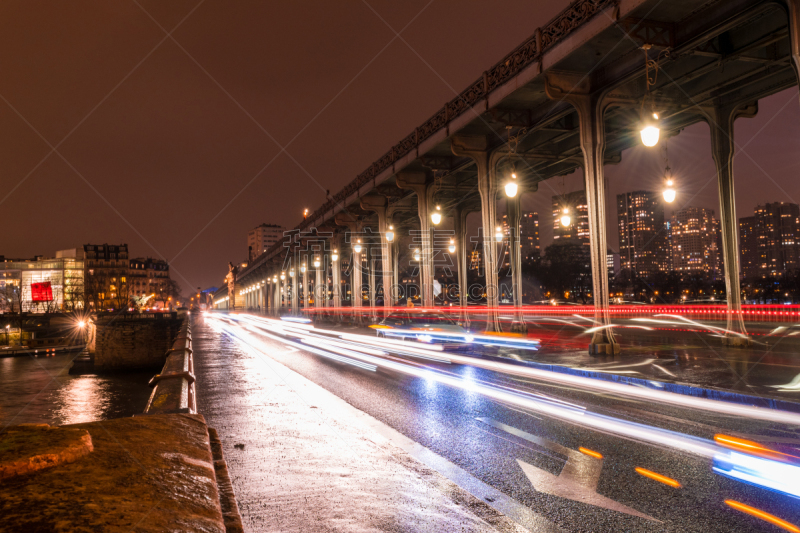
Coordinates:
<point>174,388</point>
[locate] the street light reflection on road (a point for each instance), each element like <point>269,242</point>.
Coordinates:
<point>778,473</point>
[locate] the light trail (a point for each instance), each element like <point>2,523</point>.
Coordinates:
<point>748,462</point>
<point>607,424</point>
<point>581,382</point>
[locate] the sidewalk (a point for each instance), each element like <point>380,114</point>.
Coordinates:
<point>301,459</point>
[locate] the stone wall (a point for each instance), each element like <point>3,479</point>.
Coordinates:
<point>134,342</point>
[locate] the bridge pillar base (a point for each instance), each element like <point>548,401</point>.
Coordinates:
<point>519,327</point>
<point>604,349</point>
<point>737,341</point>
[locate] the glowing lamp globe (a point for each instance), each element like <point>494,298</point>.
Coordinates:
<point>669,192</point>
<point>335,255</point>
<point>498,234</point>
<point>416,254</point>
<point>436,216</point>
<point>357,247</point>
<point>390,234</point>
<point>452,247</point>
<point>511,189</point>
<point>317,262</point>
<point>650,135</point>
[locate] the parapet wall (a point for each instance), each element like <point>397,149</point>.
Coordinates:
<point>134,342</point>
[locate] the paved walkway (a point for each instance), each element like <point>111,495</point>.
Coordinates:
<point>301,459</point>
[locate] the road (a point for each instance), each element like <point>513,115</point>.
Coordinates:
<point>523,433</point>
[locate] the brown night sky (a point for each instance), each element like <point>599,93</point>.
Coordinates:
<point>178,147</point>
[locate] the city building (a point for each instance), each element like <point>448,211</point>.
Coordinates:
<point>748,247</point>
<point>778,226</point>
<point>476,260</point>
<point>643,243</point>
<point>148,276</point>
<point>260,238</point>
<point>612,262</point>
<point>42,284</point>
<point>528,237</point>
<point>105,279</point>
<point>693,237</point>
<point>577,231</point>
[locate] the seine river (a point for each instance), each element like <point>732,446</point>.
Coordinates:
<point>41,390</point>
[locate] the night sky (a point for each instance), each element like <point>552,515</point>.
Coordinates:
<point>249,111</point>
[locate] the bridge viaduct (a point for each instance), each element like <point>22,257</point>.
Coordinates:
<point>574,95</point>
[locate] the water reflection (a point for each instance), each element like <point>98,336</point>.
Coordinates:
<point>41,390</point>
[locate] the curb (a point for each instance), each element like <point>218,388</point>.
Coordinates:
<point>227,498</point>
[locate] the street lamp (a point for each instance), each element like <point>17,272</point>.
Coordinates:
<point>436,216</point>
<point>565,218</point>
<point>511,186</point>
<point>650,130</point>
<point>669,192</point>
<point>452,247</point>
<point>357,247</point>
<point>390,234</point>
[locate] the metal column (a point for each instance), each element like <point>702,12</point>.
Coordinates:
<point>722,150</point>
<point>590,108</point>
<point>476,148</point>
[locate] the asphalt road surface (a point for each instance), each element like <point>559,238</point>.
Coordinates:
<point>569,451</point>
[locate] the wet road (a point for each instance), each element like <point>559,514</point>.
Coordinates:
<point>517,431</point>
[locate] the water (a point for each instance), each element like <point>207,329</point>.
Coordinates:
<point>41,391</point>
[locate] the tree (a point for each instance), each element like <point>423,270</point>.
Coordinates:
<point>564,269</point>
<point>123,293</point>
<point>170,291</point>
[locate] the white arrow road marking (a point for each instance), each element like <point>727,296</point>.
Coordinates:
<point>577,480</point>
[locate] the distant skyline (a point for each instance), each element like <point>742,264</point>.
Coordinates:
<point>178,148</point>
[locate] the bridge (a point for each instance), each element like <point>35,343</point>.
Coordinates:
<point>576,94</point>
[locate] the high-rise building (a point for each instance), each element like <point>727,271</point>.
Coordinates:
<point>260,238</point>
<point>612,263</point>
<point>577,231</point>
<point>643,244</point>
<point>528,236</point>
<point>776,232</point>
<point>693,241</point>
<point>476,260</point>
<point>748,247</point>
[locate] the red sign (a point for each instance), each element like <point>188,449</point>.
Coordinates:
<point>41,292</point>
